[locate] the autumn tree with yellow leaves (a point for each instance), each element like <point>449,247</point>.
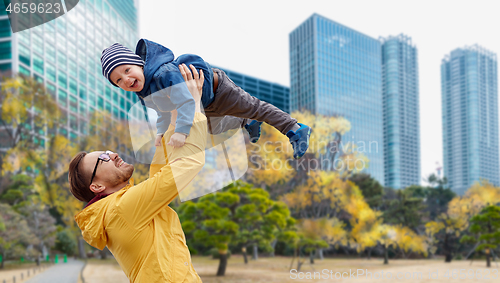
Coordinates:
<point>455,221</point>
<point>31,129</point>
<point>318,189</point>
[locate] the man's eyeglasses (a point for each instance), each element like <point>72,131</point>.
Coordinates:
<point>105,158</point>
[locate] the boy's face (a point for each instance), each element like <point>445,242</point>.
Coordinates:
<point>128,77</point>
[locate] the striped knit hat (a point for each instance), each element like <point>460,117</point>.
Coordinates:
<point>117,55</point>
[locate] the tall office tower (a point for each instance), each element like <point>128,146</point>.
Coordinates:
<point>276,94</point>
<point>401,112</point>
<point>469,90</point>
<point>64,54</point>
<point>336,71</point>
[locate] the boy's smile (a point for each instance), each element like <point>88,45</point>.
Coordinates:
<point>128,77</point>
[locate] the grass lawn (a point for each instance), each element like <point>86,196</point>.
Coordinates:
<point>277,269</point>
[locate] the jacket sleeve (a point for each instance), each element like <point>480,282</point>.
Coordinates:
<point>162,122</point>
<point>164,117</point>
<point>181,98</point>
<point>146,200</point>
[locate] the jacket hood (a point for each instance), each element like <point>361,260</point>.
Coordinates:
<point>91,218</point>
<point>91,222</point>
<point>154,55</point>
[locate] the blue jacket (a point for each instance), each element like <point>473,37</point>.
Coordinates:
<point>164,88</point>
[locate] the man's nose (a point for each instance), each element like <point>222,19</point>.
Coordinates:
<point>113,156</point>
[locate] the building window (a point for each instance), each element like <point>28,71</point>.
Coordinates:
<point>108,93</point>
<point>73,104</point>
<point>24,37</point>
<point>91,83</point>
<point>83,94</point>
<point>51,72</point>
<point>51,89</point>
<point>100,103</point>
<point>91,98</point>
<point>72,86</point>
<point>37,64</point>
<point>37,43</point>
<point>61,59</point>
<point>63,98</point>
<point>50,53</point>
<point>24,55</point>
<point>83,75</point>
<point>5,67</point>
<point>62,79</point>
<point>5,50</point>
<point>24,71</point>
<point>72,68</point>
<point>5,29</point>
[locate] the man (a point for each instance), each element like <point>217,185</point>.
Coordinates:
<point>134,221</point>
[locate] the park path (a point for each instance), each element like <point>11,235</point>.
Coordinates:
<point>60,273</point>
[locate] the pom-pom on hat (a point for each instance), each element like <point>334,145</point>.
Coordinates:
<point>117,55</point>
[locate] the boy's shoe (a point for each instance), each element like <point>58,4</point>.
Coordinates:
<point>253,130</point>
<point>299,140</point>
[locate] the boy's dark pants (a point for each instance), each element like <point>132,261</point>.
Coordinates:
<point>231,100</point>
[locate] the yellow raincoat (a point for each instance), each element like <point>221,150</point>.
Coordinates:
<point>140,229</point>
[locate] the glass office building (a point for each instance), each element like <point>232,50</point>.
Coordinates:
<point>401,111</point>
<point>469,90</point>
<point>65,55</point>
<point>335,70</point>
<point>276,94</point>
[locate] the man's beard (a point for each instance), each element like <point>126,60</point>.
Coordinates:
<point>124,175</point>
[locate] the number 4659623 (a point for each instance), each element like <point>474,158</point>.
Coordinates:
<point>33,8</point>
<point>471,274</point>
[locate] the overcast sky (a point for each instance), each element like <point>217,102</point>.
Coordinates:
<point>251,37</point>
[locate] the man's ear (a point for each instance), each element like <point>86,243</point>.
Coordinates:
<point>97,189</point>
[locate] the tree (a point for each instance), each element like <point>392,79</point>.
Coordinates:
<point>436,181</point>
<point>272,165</point>
<point>24,199</point>
<point>259,217</point>
<point>386,239</point>
<point>403,209</point>
<point>41,224</point>
<point>309,239</point>
<point>431,229</point>
<point>238,213</point>
<point>437,200</point>
<point>455,220</point>
<point>18,191</point>
<point>371,189</point>
<point>486,230</point>
<point>14,233</point>
<point>28,112</point>
<point>321,195</point>
<point>66,242</point>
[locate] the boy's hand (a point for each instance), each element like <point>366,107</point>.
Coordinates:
<point>158,140</point>
<point>177,140</point>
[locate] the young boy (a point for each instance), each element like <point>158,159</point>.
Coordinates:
<point>153,74</point>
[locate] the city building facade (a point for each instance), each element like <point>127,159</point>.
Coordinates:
<point>401,111</point>
<point>274,93</point>
<point>336,71</point>
<point>469,88</point>
<point>64,54</point>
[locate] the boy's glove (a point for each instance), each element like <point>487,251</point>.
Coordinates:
<point>158,140</point>
<point>177,140</point>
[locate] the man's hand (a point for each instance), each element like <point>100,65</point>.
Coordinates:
<point>158,140</point>
<point>194,83</point>
<point>177,140</point>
